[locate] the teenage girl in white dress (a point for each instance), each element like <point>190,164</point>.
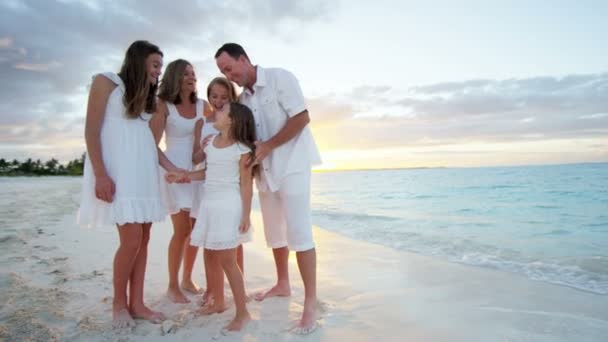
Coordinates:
<point>121,182</point>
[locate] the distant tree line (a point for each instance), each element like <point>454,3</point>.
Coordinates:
<point>51,167</point>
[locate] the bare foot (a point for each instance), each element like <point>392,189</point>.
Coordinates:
<point>212,308</point>
<point>239,322</point>
<point>207,298</point>
<point>308,323</point>
<point>276,291</point>
<point>176,296</point>
<point>121,319</point>
<point>191,287</point>
<point>146,313</point>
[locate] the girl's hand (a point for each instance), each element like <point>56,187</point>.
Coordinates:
<point>105,188</point>
<point>177,177</point>
<point>200,155</point>
<point>206,141</point>
<point>245,224</point>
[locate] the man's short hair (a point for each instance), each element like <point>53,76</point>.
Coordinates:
<point>234,50</point>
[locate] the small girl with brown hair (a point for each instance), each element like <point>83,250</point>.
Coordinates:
<point>223,218</point>
<point>220,93</point>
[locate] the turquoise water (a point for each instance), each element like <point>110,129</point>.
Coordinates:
<point>549,223</point>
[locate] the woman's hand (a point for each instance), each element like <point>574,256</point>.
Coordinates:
<point>245,224</point>
<point>105,188</point>
<point>178,176</point>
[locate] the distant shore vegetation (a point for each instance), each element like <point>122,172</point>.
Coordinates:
<point>31,167</point>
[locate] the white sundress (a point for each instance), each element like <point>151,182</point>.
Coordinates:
<point>179,138</point>
<point>219,215</point>
<point>131,160</point>
<point>207,129</point>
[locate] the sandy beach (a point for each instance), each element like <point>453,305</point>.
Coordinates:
<point>56,285</point>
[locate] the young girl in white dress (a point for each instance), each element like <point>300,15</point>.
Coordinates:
<point>220,93</point>
<point>121,182</point>
<point>180,117</point>
<point>223,218</point>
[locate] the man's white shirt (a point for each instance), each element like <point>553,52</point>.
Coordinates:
<point>276,97</point>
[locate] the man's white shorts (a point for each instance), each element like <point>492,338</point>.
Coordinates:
<point>286,214</point>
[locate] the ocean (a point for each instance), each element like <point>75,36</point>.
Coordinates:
<point>547,223</point>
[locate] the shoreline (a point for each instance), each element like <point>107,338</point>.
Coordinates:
<point>57,285</point>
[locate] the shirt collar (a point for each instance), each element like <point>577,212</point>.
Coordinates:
<point>260,79</point>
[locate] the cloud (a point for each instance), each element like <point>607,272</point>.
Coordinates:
<point>49,50</point>
<point>540,108</point>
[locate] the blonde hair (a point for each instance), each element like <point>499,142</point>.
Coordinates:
<point>224,82</point>
<point>170,86</point>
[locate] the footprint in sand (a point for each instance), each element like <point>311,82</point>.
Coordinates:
<point>89,276</point>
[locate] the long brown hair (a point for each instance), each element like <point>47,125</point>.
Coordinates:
<point>171,84</point>
<point>243,126</point>
<point>139,93</point>
<point>224,82</point>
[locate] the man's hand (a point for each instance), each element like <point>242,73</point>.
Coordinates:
<point>262,150</point>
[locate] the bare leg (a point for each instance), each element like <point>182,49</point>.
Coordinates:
<point>207,256</point>
<point>307,263</point>
<point>237,285</point>
<point>130,241</point>
<point>216,302</point>
<point>240,260</point>
<point>181,231</point>
<point>282,287</point>
<point>190,253</point>
<point>136,286</point>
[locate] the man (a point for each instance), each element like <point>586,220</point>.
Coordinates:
<point>285,152</point>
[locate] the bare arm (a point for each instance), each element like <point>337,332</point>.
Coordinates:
<point>158,123</point>
<point>293,127</point>
<point>197,175</point>
<point>184,177</point>
<point>197,152</point>
<point>159,120</point>
<point>246,185</point>
<point>100,92</point>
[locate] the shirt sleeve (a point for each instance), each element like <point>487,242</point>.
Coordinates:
<point>289,94</point>
<point>242,149</point>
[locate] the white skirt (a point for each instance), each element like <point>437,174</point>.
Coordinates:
<point>197,193</point>
<point>131,160</point>
<point>218,220</point>
<point>176,196</point>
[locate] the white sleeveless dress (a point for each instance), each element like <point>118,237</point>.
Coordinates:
<point>219,215</point>
<point>207,129</point>
<point>131,159</point>
<point>179,138</point>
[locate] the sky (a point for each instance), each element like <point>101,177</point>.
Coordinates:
<point>388,84</point>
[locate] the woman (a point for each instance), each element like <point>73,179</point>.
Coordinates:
<point>121,176</point>
<point>180,117</point>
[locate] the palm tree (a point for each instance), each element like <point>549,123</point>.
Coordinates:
<point>51,166</point>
